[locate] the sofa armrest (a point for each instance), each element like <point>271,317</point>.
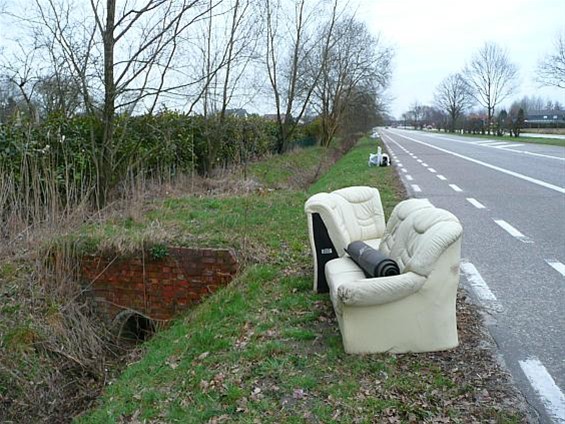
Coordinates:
<point>378,291</point>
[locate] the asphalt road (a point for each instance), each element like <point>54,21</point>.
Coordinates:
<point>510,198</point>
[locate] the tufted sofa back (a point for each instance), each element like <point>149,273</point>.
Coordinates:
<point>362,212</point>
<point>420,239</point>
<point>400,212</point>
<point>350,214</point>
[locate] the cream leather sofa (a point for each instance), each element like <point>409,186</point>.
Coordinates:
<point>410,312</point>
<point>336,219</point>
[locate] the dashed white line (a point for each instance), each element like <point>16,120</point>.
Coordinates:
<point>542,382</point>
<point>455,187</point>
<point>419,161</point>
<point>398,163</point>
<point>475,203</point>
<point>432,170</point>
<point>416,188</point>
<point>409,177</point>
<point>441,177</point>
<point>403,170</point>
<point>424,164</point>
<point>477,283</point>
<point>512,231</point>
<point>557,266</point>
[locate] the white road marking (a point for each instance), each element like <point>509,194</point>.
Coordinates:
<point>542,382</point>
<point>510,145</point>
<point>557,266</point>
<point>496,168</point>
<point>416,188</point>
<point>403,170</point>
<point>455,188</point>
<point>424,164</point>
<point>497,143</point>
<point>488,144</point>
<point>502,146</point>
<point>441,177</point>
<point>477,283</point>
<point>432,170</point>
<point>512,231</point>
<point>475,203</point>
<point>419,160</point>
<point>409,177</point>
<point>398,163</point>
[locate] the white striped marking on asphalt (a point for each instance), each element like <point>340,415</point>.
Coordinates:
<point>497,143</point>
<point>542,382</point>
<point>441,177</point>
<point>475,203</point>
<point>510,145</point>
<point>487,144</point>
<point>455,188</point>
<point>477,283</point>
<point>424,164</point>
<point>432,170</point>
<point>496,168</point>
<point>416,188</point>
<point>502,146</point>
<point>557,266</point>
<point>409,177</point>
<point>419,160</point>
<point>403,170</point>
<point>513,231</point>
<point>398,163</point>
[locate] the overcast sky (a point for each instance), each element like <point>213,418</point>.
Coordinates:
<point>433,38</point>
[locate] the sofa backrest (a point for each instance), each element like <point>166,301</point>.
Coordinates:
<point>421,238</point>
<point>400,212</point>
<point>350,214</point>
<point>362,212</point>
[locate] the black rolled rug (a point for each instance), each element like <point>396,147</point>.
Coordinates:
<point>371,261</point>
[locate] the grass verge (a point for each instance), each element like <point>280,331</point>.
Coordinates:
<point>267,349</point>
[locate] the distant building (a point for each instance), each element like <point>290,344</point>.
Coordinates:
<point>241,113</point>
<point>545,118</point>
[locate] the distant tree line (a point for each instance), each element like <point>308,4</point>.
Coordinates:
<point>486,82</point>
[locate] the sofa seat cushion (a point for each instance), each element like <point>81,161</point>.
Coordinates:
<point>374,243</point>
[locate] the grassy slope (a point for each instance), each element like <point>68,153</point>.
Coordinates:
<point>267,349</point>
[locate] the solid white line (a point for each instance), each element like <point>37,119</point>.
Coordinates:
<point>409,177</point>
<point>424,164</point>
<point>475,203</point>
<point>512,231</point>
<point>432,170</point>
<point>502,146</point>
<point>477,283</point>
<point>557,266</point>
<point>455,188</point>
<point>416,188</point>
<point>441,177</point>
<point>542,382</point>
<point>496,168</point>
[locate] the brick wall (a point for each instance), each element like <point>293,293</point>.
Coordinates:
<point>158,288</point>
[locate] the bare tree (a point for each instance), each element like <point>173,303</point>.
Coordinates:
<point>291,43</point>
<point>551,69</point>
<point>353,62</point>
<point>491,77</point>
<point>453,96</point>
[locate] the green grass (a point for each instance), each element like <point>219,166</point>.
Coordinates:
<point>266,348</point>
